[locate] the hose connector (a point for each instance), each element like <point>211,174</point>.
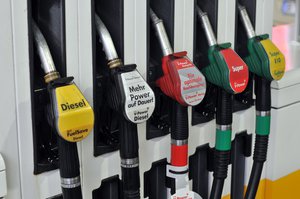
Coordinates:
<point>246,21</point>
<point>210,35</point>
<point>44,54</point>
<point>161,34</point>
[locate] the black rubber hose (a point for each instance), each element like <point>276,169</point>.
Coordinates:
<point>263,94</point>
<point>222,158</point>
<point>224,108</point>
<point>180,125</point>
<point>221,162</point>
<point>217,188</point>
<point>260,156</point>
<point>263,103</point>
<point>69,167</point>
<point>254,180</point>
<point>129,147</point>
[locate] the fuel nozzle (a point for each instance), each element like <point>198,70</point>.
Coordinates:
<point>131,85</point>
<point>69,114</point>
<point>265,59</point>
<point>44,54</point>
<point>66,99</point>
<point>186,85</point>
<point>268,63</point>
<point>130,96</point>
<point>226,70</point>
<point>182,80</point>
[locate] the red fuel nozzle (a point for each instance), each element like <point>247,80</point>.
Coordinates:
<point>182,80</point>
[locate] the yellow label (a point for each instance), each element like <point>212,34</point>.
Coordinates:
<point>276,58</point>
<point>75,117</point>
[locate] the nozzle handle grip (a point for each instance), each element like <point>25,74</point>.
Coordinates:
<point>129,145</point>
<point>224,107</point>
<point>69,168</point>
<point>263,94</point>
<point>180,125</point>
<point>129,149</point>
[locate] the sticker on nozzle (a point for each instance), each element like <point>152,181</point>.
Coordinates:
<point>276,59</point>
<point>192,81</point>
<point>140,99</point>
<point>74,116</point>
<point>238,70</point>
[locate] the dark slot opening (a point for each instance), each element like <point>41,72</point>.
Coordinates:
<point>160,122</point>
<point>106,129</point>
<point>205,111</point>
<point>198,170</point>
<point>50,17</point>
<point>109,189</point>
<point>155,180</point>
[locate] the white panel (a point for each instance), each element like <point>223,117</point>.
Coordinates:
<point>226,21</point>
<point>264,16</point>
<point>46,184</point>
<point>8,119</point>
<point>86,86</point>
<point>284,142</point>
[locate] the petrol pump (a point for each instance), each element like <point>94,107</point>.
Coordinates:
<point>230,74</point>
<point>69,114</point>
<point>267,63</point>
<point>131,96</point>
<point>186,85</point>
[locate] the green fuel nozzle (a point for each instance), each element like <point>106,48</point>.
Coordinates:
<point>230,73</point>
<point>226,70</point>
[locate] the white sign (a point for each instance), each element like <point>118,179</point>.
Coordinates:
<point>140,99</point>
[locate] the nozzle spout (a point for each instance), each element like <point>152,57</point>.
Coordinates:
<point>43,50</point>
<point>246,21</point>
<point>210,35</point>
<point>106,40</point>
<point>161,34</point>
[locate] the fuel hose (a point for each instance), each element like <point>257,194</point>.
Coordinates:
<point>230,74</point>
<point>128,131</point>
<point>223,120</point>
<point>69,166</point>
<point>260,64</point>
<point>177,70</point>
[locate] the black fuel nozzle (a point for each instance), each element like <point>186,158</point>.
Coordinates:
<point>131,96</point>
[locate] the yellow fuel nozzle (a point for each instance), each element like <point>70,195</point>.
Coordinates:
<point>72,116</point>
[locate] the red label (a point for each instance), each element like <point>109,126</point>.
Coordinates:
<point>179,155</point>
<point>238,70</point>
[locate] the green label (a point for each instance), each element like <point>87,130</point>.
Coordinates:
<point>263,125</point>
<point>223,140</point>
